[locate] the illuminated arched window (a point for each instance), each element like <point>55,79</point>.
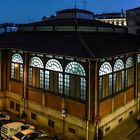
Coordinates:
<point>36,73</point>
<point>75,81</point>
<point>54,76</point>
<point>129,62</point>
<point>36,62</point>
<point>105,69</point>
<point>105,80</point>
<point>118,75</point>
<point>129,75</point>
<point>17,67</point>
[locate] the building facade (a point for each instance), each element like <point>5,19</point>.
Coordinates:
<point>112,18</point>
<point>133,20</point>
<point>70,76</point>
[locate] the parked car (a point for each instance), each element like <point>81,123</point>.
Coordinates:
<point>4,116</point>
<point>9,129</point>
<point>138,120</point>
<point>28,134</point>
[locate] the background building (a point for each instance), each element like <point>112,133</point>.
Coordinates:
<point>133,20</point>
<point>70,75</point>
<point>115,18</point>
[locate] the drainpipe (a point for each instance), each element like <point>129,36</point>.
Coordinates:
<point>136,82</point>
<point>96,119</point>
<point>89,102</point>
<point>25,79</point>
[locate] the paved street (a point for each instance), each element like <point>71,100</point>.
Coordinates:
<point>127,130</point>
<point>135,135</point>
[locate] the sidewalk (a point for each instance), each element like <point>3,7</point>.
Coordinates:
<point>124,130</point>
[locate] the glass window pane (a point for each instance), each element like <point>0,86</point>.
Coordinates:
<point>12,70</point>
<point>129,62</point>
<point>105,69</point>
<point>83,88</point>
<point>21,72</point>
<point>17,58</point>
<point>30,76</point>
<point>138,58</point>
<point>60,83</point>
<point>54,65</point>
<point>75,68</point>
<point>41,78</point>
<point>47,81</point>
<point>36,62</point>
<point>66,84</point>
<point>110,84</point>
<point>119,65</point>
<point>100,87</point>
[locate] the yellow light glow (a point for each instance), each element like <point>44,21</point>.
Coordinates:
<point>16,65</point>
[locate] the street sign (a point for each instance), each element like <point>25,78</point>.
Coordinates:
<point>96,118</point>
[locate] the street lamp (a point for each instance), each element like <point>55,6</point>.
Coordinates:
<point>63,114</point>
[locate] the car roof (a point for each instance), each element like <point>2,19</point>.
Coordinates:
<point>27,131</point>
<point>12,124</point>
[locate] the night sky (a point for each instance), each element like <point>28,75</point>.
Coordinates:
<point>24,11</point>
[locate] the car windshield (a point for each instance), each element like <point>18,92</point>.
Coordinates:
<point>19,135</point>
<point>2,116</point>
<point>4,129</point>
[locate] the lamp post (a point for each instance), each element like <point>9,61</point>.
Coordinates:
<point>63,114</point>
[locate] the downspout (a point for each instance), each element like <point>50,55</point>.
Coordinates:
<point>96,100</point>
<point>89,101</point>
<point>136,83</point>
<point>25,79</point>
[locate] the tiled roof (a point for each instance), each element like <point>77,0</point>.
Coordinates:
<point>68,22</point>
<point>77,44</point>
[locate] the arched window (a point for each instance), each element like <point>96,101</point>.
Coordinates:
<point>129,75</point>
<point>105,69</point>
<point>36,72</point>
<point>54,76</point>
<point>129,62</point>
<point>36,62</point>
<point>105,80</point>
<point>17,67</point>
<point>118,75</point>
<point>75,81</point>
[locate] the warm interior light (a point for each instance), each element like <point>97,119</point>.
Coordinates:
<point>16,65</point>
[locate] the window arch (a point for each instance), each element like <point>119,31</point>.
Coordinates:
<point>36,72</point>
<point>119,65</point>
<point>129,74</point>
<point>118,76</point>
<point>129,62</point>
<point>17,67</point>
<point>105,69</point>
<point>54,76</point>
<point>54,65</point>
<point>105,80</point>
<point>36,62</point>
<point>75,68</point>
<point>75,81</point>
<point>17,58</point>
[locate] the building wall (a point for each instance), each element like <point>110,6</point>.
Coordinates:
<point>45,109</point>
<point>133,20</point>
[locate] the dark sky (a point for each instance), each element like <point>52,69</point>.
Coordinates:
<point>24,11</point>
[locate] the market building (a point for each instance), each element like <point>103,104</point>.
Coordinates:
<point>71,75</point>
